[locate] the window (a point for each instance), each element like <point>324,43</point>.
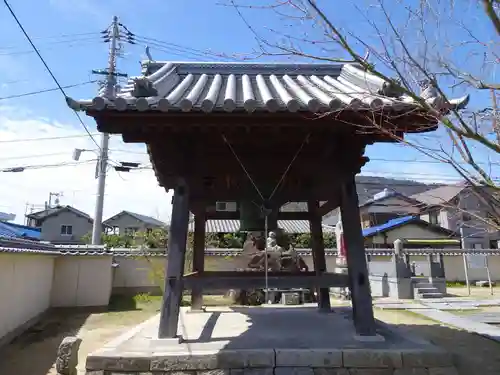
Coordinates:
<point>131,231</point>
<point>221,206</point>
<point>434,217</point>
<point>66,230</point>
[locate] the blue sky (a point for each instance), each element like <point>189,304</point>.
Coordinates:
<point>199,24</point>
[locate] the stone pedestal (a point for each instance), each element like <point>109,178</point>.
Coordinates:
<point>282,340</point>
<point>340,267</point>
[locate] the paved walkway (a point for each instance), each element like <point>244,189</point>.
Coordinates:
<point>486,330</point>
<point>435,309</point>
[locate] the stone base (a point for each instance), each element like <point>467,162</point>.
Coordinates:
<point>341,293</point>
<point>254,340</point>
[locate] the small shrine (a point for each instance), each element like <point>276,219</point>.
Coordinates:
<point>261,135</point>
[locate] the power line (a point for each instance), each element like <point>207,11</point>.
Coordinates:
<point>42,166</point>
<point>62,36</point>
<point>46,138</point>
<point>33,156</point>
<point>27,52</point>
<point>2,49</point>
<point>48,69</point>
<point>45,90</point>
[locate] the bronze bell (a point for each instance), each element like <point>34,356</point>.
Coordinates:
<point>251,217</point>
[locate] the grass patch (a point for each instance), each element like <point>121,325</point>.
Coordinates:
<point>146,301</point>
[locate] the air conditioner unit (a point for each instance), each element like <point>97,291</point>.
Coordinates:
<point>225,206</point>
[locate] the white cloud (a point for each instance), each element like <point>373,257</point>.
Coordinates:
<point>135,191</point>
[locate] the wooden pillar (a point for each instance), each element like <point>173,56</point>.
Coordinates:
<point>198,257</point>
<point>175,264</point>
<point>356,261</point>
<point>318,252</point>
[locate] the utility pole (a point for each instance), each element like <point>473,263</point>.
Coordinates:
<point>102,163</point>
<point>495,121</point>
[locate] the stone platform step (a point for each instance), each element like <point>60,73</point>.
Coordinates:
<point>424,285</point>
<point>243,340</point>
<point>429,295</point>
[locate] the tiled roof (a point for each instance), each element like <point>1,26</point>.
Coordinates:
<point>400,221</point>
<point>30,247</point>
<point>233,226</point>
<point>55,210</point>
<point>440,195</point>
<point>11,230</point>
<point>391,224</point>
<point>145,219</point>
<point>249,87</point>
<point>307,252</point>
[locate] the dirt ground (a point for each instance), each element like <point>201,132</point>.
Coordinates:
<point>34,352</point>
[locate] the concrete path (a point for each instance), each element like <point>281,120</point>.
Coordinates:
<point>435,309</point>
<point>466,324</point>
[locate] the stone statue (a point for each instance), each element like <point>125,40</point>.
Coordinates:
<point>281,257</point>
<point>271,240</point>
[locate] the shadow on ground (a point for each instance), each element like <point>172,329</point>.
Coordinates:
<point>34,352</point>
<point>472,353</point>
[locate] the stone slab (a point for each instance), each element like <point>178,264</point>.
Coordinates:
<point>254,340</point>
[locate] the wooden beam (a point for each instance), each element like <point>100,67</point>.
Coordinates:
<point>328,206</point>
<point>236,215</point>
<point>177,238</point>
<point>198,258</point>
<point>249,280</point>
<point>417,121</point>
<point>318,253</point>
<point>356,261</point>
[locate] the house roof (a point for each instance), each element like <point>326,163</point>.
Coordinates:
<point>389,194</point>
<point>11,230</point>
<point>52,211</point>
<point>145,219</point>
<point>233,226</point>
<point>401,221</point>
<point>440,195</point>
<point>248,87</point>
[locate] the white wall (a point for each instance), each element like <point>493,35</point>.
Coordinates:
<point>409,231</point>
<point>82,281</point>
<point>25,287</point>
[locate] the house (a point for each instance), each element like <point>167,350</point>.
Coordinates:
<point>385,206</point>
<point>61,224</point>
<point>369,187</point>
<point>459,208</point>
<point>410,229</point>
<point>128,223</point>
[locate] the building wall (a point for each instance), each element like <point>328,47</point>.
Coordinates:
<point>51,228</point>
<point>137,274</point>
<point>82,281</point>
<point>128,221</point>
<point>463,212</point>
<point>408,231</point>
<point>25,288</point>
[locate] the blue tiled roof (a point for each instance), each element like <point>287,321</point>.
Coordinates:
<point>368,232</point>
<point>11,230</point>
